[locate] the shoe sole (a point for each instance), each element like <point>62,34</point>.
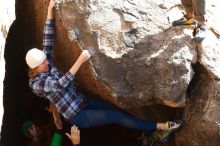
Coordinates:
<point>172,132</point>
<point>183,24</point>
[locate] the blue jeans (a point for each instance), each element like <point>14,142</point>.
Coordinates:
<point>98,113</point>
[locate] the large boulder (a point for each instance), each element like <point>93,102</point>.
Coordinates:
<point>202,112</point>
<point>202,109</point>
<point>137,57</point>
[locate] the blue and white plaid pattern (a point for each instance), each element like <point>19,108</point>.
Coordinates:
<point>54,85</point>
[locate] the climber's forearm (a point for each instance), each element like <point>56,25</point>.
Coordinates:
<point>82,58</point>
<point>50,10</point>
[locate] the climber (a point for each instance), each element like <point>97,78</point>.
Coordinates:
<point>48,82</point>
<point>195,15</point>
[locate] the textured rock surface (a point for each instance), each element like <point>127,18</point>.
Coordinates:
<point>209,52</point>
<point>202,113</point>
<point>137,56</point>
<point>7,16</point>
<point>202,110</point>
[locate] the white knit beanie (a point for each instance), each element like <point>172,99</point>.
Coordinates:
<point>35,57</point>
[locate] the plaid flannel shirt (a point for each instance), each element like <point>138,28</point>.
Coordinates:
<point>55,86</point>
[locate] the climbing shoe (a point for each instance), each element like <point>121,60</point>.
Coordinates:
<point>172,127</point>
<point>200,33</point>
<point>185,20</point>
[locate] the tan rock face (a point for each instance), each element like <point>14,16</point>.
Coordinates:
<point>202,113</point>
<point>209,53</point>
<point>138,58</point>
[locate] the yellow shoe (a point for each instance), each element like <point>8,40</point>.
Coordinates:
<point>185,20</point>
